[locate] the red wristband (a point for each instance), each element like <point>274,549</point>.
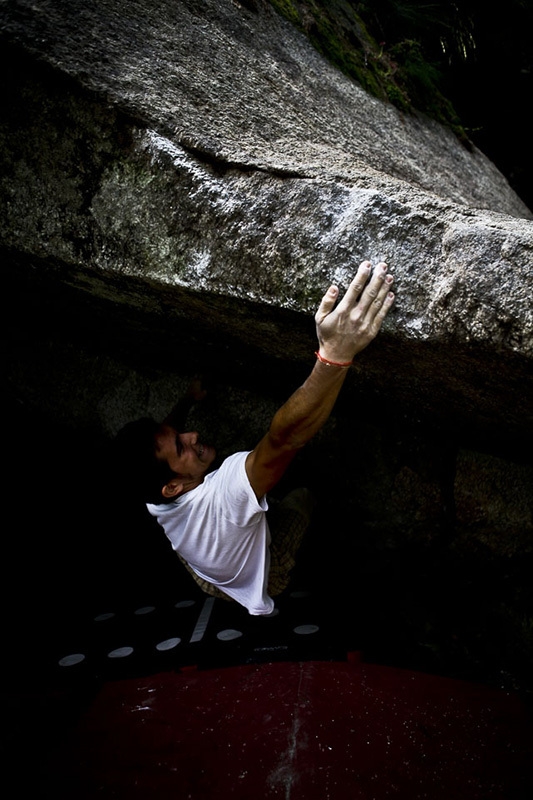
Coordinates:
<point>332,363</point>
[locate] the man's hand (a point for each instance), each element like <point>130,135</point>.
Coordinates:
<point>196,391</point>
<point>346,329</point>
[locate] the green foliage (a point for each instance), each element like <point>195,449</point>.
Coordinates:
<point>420,80</point>
<point>404,69</point>
<point>288,9</point>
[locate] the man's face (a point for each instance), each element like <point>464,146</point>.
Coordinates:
<point>184,454</point>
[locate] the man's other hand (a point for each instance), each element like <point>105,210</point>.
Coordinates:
<point>196,391</point>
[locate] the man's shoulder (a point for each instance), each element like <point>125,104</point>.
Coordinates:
<point>232,462</point>
<point>230,475</point>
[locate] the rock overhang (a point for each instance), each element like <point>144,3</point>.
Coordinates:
<point>235,194</point>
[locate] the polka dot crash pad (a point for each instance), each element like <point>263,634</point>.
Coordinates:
<point>297,730</point>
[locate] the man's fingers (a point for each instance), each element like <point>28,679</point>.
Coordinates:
<point>365,295</point>
<point>376,294</point>
<point>356,287</point>
<point>379,309</point>
<point>327,304</point>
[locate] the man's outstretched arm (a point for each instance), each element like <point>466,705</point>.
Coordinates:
<point>343,330</point>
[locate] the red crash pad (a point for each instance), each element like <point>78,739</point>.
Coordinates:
<point>296,730</point>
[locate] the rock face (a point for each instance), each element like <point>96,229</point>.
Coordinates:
<point>180,183</point>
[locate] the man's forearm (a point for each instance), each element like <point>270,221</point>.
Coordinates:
<point>195,393</point>
<point>178,416</point>
<point>307,409</point>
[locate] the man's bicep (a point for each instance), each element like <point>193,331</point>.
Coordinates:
<point>266,465</point>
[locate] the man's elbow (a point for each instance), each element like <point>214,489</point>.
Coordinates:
<point>287,442</point>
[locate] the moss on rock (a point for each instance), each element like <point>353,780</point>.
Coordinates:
<point>398,73</point>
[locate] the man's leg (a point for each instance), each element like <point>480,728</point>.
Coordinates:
<point>288,520</point>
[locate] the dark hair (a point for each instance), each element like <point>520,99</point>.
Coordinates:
<point>141,472</point>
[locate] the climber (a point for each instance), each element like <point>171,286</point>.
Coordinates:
<point>217,519</point>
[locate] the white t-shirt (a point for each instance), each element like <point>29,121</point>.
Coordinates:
<point>220,529</point>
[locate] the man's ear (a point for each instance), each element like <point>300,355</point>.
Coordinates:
<point>172,489</point>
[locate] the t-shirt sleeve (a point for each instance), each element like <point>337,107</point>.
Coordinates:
<point>241,506</point>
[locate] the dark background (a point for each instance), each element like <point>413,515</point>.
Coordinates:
<point>482,55</point>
